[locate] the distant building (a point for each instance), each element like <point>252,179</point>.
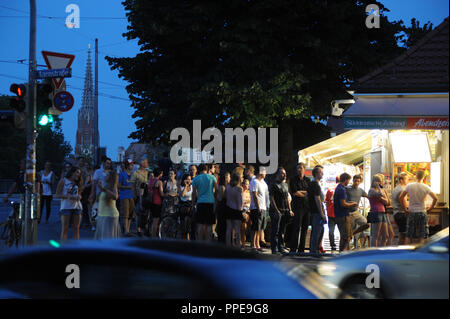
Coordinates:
<point>136,151</point>
<point>87,143</point>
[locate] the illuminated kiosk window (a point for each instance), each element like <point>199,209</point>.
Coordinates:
<point>435,174</point>
<point>410,148</point>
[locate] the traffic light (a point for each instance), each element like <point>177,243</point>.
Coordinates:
<point>44,102</point>
<point>18,102</point>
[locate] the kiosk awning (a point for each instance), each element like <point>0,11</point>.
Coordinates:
<point>375,112</point>
<point>347,148</point>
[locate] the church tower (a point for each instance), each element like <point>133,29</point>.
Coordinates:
<point>87,132</point>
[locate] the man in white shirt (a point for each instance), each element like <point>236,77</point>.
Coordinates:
<point>416,224</point>
<point>258,207</point>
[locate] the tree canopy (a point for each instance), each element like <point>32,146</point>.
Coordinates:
<point>246,63</point>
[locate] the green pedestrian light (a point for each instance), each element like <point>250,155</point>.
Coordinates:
<point>44,102</point>
<point>45,119</point>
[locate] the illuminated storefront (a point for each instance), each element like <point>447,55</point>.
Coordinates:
<point>397,123</point>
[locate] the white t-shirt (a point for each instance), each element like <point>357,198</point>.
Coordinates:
<point>261,188</point>
<point>188,196</point>
<point>46,188</point>
<point>417,193</point>
<point>70,189</point>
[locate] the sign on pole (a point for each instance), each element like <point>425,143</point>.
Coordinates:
<point>54,73</point>
<point>56,60</point>
<point>63,101</point>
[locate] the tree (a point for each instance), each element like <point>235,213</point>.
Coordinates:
<point>415,32</point>
<point>247,63</point>
<point>51,145</point>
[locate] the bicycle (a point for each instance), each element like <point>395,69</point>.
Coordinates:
<point>12,227</point>
<point>170,226</point>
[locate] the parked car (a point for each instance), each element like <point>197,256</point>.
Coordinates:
<point>136,268</point>
<point>415,271</point>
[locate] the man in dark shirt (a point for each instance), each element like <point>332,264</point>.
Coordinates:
<point>298,187</point>
<point>280,210</point>
<point>318,216</point>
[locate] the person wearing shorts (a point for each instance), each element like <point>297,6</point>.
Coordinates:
<point>203,187</point>
<point>258,207</point>
<point>399,213</point>
<point>416,223</point>
<point>69,191</point>
<point>358,222</point>
<point>127,204</point>
<point>379,220</point>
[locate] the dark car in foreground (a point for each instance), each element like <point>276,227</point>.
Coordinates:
<point>150,269</point>
<point>415,271</point>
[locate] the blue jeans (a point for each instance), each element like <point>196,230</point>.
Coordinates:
<point>331,228</point>
<point>316,233</point>
<point>278,228</point>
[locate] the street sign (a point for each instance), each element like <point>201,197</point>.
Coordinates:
<point>63,101</point>
<point>54,73</point>
<point>56,60</point>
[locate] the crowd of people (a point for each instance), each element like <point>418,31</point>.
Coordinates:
<point>234,207</point>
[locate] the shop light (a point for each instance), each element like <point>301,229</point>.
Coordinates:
<point>338,155</point>
<point>435,176</point>
<point>410,148</point>
<point>321,152</point>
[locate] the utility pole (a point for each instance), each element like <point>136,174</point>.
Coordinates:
<point>29,221</point>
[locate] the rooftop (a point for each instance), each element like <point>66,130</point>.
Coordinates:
<point>422,68</point>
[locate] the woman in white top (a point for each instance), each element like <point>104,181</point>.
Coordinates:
<point>185,206</point>
<point>69,191</point>
<point>108,215</point>
<point>170,194</point>
<point>47,178</point>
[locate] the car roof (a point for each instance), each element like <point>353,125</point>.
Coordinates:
<point>231,268</point>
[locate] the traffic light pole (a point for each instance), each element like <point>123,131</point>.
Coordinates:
<point>29,222</point>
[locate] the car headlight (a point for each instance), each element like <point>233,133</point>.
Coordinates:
<point>326,268</point>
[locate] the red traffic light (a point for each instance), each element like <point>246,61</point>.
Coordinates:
<point>19,89</point>
<point>17,102</point>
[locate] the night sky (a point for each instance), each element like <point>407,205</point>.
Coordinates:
<point>106,21</point>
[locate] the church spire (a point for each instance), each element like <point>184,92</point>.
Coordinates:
<point>87,132</point>
<point>88,91</point>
